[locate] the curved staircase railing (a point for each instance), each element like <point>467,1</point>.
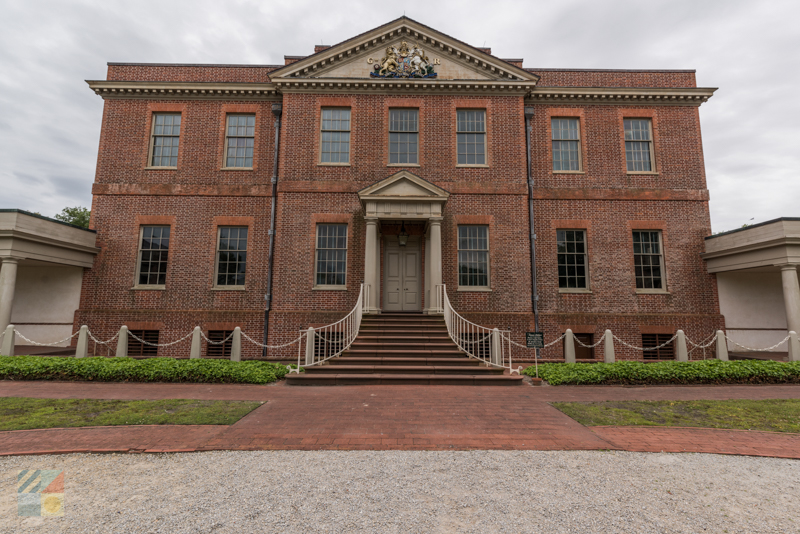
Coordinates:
<point>326,342</point>
<point>490,345</point>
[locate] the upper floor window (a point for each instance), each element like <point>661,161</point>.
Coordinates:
<point>331,260</point>
<point>335,136</point>
<point>566,144</point>
<point>239,141</point>
<point>648,259</point>
<point>166,134</point>
<point>153,254</point>
<point>231,256</point>
<point>572,259</point>
<point>473,256</point>
<point>639,145</point>
<point>471,134</point>
<point>404,136</point>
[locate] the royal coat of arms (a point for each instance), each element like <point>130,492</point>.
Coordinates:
<point>404,62</point>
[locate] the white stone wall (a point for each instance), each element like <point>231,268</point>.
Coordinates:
<point>46,296</point>
<point>752,303</point>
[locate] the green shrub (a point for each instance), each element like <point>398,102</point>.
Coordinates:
<point>696,372</point>
<point>132,370</point>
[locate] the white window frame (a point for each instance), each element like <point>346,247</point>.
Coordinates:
<point>349,132</point>
<point>216,260</point>
<point>225,165</point>
<point>316,256</point>
<point>650,142</point>
<point>136,283</point>
<point>487,250</point>
<point>577,141</point>
<point>484,133</point>
<point>153,136</point>
<point>662,263</point>
<point>587,288</point>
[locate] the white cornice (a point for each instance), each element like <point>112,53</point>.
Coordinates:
<point>647,96</point>
<point>185,90</point>
<point>402,85</point>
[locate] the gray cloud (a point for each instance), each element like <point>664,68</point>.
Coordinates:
<point>50,121</point>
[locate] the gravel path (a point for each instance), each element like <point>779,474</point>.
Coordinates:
<point>410,492</point>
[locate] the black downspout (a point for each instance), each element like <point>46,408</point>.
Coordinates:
<point>277,110</point>
<point>535,290</point>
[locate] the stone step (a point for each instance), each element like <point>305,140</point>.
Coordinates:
<point>403,330</point>
<point>403,369</point>
<point>306,379</point>
<point>379,345</point>
<point>394,353</point>
<point>369,360</point>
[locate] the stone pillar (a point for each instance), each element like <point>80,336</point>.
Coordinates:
<point>436,259</point>
<point>681,354</point>
<point>569,347</point>
<point>194,352</point>
<point>371,274</point>
<point>722,346</point>
<point>8,283</point>
<point>608,347</point>
<point>122,342</point>
<point>791,297</point>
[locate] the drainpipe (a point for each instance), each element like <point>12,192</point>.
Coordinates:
<point>535,290</point>
<point>277,110</point>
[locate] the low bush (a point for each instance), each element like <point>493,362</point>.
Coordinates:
<point>695,372</point>
<point>133,370</point>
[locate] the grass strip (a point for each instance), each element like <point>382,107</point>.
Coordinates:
<point>778,415</point>
<point>132,370</point>
<point>670,372</point>
<point>21,413</point>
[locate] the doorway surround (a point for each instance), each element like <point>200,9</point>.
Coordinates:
<point>403,196</point>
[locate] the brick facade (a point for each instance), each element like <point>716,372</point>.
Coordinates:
<point>199,196</point>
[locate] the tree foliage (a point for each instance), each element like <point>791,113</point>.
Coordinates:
<point>79,216</point>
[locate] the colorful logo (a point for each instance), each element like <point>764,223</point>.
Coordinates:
<point>40,492</point>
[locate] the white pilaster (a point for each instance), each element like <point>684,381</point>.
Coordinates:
<point>371,264</point>
<point>8,284</point>
<point>791,296</point>
<point>436,256</point>
<point>428,294</point>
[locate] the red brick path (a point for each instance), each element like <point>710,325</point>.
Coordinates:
<point>397,417</point>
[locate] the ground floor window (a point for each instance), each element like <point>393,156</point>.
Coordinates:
<point>473,256</point>
<point>137,348</point>
<point>667,352</point>
<point>222,350</point>
<point>331,259</point>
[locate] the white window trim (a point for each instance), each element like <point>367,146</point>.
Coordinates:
<point>652,147</point>
<point>136,284</point>
<point>488,286</point>
<point>664,289</point>
<point>580,146</point>
<point>485,139</point>
<point>150,165</point>
<point>588,288</point>
<point>331,287</point>
<point>225,148</point>
<point>321,163</point>
<point>214,285</point>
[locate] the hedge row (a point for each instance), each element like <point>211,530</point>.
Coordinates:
<point>132,370</point>
<point>696,372</point>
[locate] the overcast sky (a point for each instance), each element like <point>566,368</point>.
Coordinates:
<point>50,120</point>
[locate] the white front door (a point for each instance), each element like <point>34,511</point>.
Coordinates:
<point>401,279</point>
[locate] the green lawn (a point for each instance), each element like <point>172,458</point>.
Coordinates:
<point>780,415</point>
<point>20,413</point>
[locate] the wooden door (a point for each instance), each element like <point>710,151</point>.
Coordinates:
<point>401,278</point>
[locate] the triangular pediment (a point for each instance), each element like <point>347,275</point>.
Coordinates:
<point>449,58</point>
<point>404,185</point>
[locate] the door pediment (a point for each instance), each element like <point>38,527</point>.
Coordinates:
<point>404,195</point>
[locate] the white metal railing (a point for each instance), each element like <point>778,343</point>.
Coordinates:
<point>326,342</point>
<point>490,345</point>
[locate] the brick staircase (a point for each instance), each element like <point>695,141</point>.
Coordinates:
<point>403,349</point>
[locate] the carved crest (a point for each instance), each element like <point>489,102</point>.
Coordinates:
<point>408,61</point>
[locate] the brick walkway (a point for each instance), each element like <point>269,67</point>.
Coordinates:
<point>396,417</point>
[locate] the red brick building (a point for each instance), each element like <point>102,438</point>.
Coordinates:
<point>399,130</point>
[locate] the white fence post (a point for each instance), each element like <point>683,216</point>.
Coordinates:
<point>608,347</point>
<point>195,352</point>
<point>83,343</point>
<point>569,347</point>
<point>682,355</point>
<point>122,342</point>
<point>722,346</point>
<point>497,355</point>
<point>7,349</point>
<point>236,345</point>
<point>794,347</point>
<point>310,335</point>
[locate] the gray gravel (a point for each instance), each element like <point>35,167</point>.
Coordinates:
<point>408,492</point>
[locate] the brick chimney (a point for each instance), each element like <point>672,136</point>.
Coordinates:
<point>320,48</point>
